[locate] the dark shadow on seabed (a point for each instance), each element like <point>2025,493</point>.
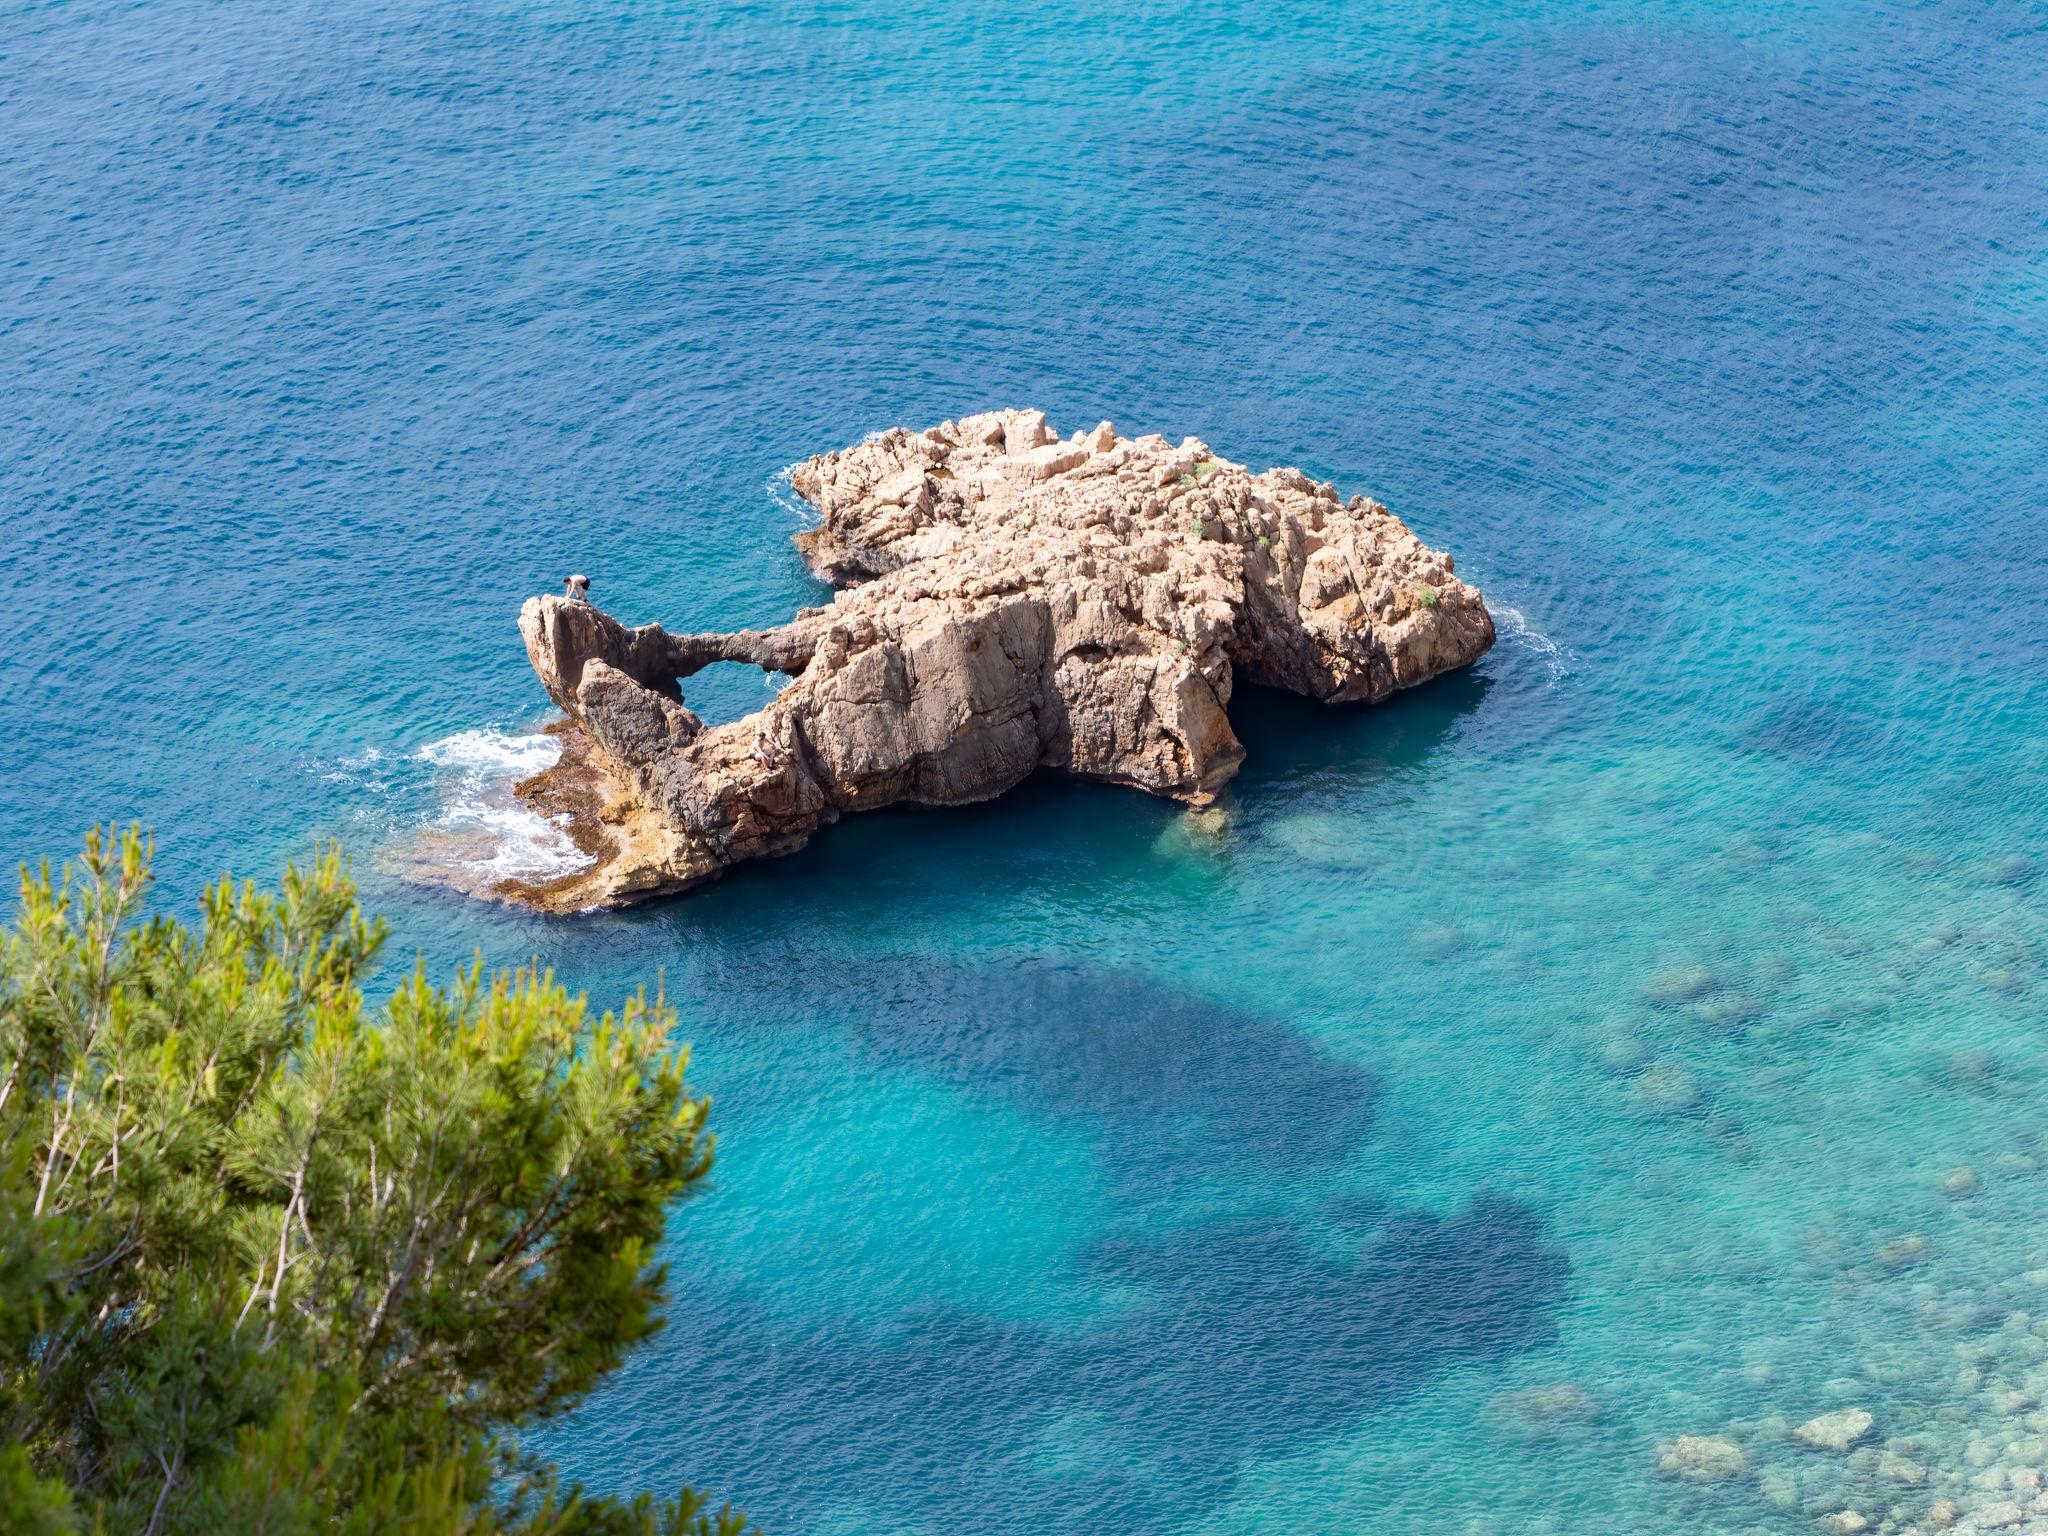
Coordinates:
<point>1169,1086</point>
<point>1245,1339</point>
<point>1241,1337</point>
<point>1289,739</point>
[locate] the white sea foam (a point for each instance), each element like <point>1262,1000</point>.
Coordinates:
<point>369,770</point>
<point>489,754</point>
<point>1513,625</point>
<point>784,495</point>
<point>511,842</point>
<point>479,826</point>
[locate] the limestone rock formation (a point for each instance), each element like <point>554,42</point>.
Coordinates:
<point>1010,600</point>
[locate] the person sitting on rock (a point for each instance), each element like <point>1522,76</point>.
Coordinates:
<point>576,588</point>
<point>765,752</point>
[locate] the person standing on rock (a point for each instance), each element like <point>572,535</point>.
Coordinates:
<point>576,588</point>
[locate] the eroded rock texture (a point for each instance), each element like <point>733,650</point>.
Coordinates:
<point>1010,600</point>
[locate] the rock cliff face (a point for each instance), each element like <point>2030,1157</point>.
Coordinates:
<point>1010,600</point>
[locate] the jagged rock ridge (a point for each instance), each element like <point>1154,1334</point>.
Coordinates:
<point>1010,600</point>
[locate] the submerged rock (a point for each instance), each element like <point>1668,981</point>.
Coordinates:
<point>1010,601</point>
<point>1325,840</point>
<point>1778,1487</point>
<point>2011,869</point>
<point>1701,1458</point>
<point>1729,1011</point>
<point>1681,984</point>
<point>1975,1070</point>
<point>1959,1182</point>
<point>1836,1431</point>
<point>1896,1467</point>
<point>1550,1408</point>
<point>1199,831</point>
<point>1622,1053</point>
<point>1437,941</point>
<point>1904,1252</point>
<point>1664,1089</point>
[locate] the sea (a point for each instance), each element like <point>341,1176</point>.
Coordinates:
<point>1539,1097</point>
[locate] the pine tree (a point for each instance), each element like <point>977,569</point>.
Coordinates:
<point>270,1265</point>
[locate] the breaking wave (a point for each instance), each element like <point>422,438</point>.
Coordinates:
<point>479,827</point>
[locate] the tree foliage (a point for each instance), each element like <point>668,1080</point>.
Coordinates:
<point>270,1265</point>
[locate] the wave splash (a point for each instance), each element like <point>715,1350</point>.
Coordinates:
<point>1511,624</point>
<point>784,495</point>
<point>480,832</point>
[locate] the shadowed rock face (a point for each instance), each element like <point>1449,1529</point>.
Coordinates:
<point>1010,600</point>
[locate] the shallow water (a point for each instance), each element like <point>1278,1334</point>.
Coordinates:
<point>1611,1014</point>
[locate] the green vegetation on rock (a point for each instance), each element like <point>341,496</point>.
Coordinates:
<point>270,1264</point>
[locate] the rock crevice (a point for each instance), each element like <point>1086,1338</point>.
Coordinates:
<point>1009,600</point>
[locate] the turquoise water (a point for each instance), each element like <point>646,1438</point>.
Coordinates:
<point>1618,1014</point>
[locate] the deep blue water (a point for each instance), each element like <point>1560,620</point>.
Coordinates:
<point>1606,1015</point>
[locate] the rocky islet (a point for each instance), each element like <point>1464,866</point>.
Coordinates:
<point>1009,600</point>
